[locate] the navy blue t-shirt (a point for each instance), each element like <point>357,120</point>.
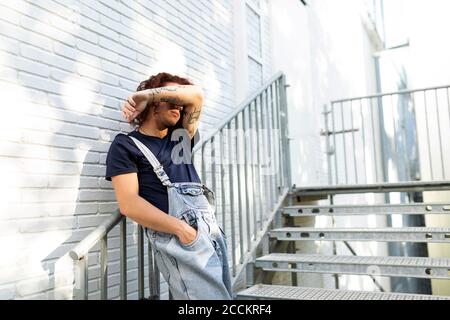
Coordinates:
<point>125,157</point>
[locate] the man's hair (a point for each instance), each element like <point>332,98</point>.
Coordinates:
<point>157,81</point>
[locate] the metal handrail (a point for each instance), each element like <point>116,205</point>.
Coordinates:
<point>407,186</point>
<point>388,137</point>
<point>378,95</point>
<point>100,235</point>
<point>82,248</point>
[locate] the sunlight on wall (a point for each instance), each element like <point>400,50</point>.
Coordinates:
<point>29,142</point>
<point>169,58</point>
<point>219,14</point>
<point>211,83</point>
<point>284,26</point>
<point>11,96</point>
<point>76,95</point>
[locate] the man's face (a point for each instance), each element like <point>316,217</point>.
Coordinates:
<point>166,113</point>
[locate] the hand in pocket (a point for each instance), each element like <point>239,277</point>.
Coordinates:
<point>187,235</point>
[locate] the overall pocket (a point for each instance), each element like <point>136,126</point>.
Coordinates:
<point>193,196</point>
<point>191,218</point>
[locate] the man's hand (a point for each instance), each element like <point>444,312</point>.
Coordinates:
<point>135,104</point>
<point>186,234</point>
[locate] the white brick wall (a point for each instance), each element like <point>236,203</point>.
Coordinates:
<point>65,68</point>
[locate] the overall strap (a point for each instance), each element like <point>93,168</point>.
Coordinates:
<point>157,166</point>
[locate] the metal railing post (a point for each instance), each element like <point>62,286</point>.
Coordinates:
<point>140,262</point>
<point>327,142</point>
<point>153,274</point>
<point>231,180</point>
<point>104,268</point>
<point>123,259</point>
<point>285,129</point>
<point>81,279</point>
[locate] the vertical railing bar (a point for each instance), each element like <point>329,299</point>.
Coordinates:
<point>280,153</point>
<point>274,150</point>
<point>203,163</point>
<point>448,106</point>
<point>262,151</point>
<point>334,142</point>
<point>343,140</point>
<point>264,155</point>
<point>231,181</point>
<point>327,143</point>
<point>439,132</point>
<point>353,141</point>
<point>81,278</point>
<point>428,134</point>
<point>252,168</point>
<point>267,152</point>
<point>154,281</point>
<point>104,268</point>
<point>86,277</point>
<point>222,178</point>
<point>286,138</point>
<point>269,149</point>
<point>258,160</point>
<point>213,168</point>
<point>418,164</point>
<point>363,139</point>
<point>246,187</point>
<point>239,181</point>
<point>140,263</point>
<point>374,140</point>
<point>123,259</point>
<point>395,136</point>
<point>404,140</point>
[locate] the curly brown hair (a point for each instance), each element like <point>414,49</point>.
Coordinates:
<point>157,81</point>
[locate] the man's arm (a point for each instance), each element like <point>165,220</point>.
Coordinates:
<point>191,114</point>
<point>189,96</point>
<point>144,213</point>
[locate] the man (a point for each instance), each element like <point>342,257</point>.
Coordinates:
<point>162,105</point>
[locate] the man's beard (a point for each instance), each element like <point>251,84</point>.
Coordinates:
<point>169,122</point>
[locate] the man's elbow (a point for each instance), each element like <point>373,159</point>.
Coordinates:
<point>123,209</point>
<point>126,206</point>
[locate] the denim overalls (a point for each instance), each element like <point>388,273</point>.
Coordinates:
<point>198,270</point>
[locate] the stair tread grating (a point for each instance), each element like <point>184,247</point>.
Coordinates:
<point>347,259</point>
<point>303,293</point>
<point>387,230</point>
<point>363,209</point>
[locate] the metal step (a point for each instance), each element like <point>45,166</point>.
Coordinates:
<point>416,234</point>
<point>407,186</point>
<point>383,266</point>
<point>267,292</point>
<point>383,209</point>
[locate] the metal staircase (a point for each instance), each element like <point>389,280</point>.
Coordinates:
<point>417,267</point>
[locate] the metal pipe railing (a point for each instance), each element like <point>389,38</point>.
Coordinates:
<point>389,137</point>
<point>100,235</point>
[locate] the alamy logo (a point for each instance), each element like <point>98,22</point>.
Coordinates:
<point>260,149</point>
